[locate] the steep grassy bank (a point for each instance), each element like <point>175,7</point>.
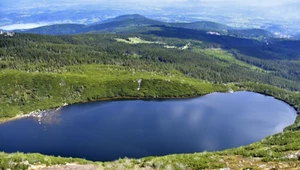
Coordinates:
<point>23,92</point>
<point>193,58</point>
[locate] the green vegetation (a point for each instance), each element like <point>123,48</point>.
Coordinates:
<point>59,29</point>
<point>261,48</point>
<point>23,92</point>
<point>24,161</point>
<point>51,53</point>
<point>42,72</point>
<point>202,25</point>
<point>251,33</point>
<point>135,40</point>
<point>228,58</point>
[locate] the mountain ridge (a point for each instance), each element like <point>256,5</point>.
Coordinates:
<point>138,23</point>
<point>121,17</point>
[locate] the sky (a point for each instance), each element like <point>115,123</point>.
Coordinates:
<point>153,3</point>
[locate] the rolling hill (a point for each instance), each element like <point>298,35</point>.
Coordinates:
<point>271,48</point>
<point>251,33</point>
<point>202,25</point>
<point>138,23</point>
<point>139,19</point>
<point>125,23</point>
<point>57,29</point>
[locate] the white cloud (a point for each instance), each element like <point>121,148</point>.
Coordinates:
<point>23,26</point>
<point>248,2</point>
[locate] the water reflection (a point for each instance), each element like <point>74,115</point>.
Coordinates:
<point>112,129</point>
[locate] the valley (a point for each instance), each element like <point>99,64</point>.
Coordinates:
<point>138,58</point>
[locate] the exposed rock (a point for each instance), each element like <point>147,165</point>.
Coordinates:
<point>292,155</point>
<point>139,82</point>
<point>66,167</point>
<point>225,169</point>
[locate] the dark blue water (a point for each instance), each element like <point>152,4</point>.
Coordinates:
<point>108,130</point>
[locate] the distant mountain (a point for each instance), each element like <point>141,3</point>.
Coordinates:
<point>273,28</point>
<point>138,24</point>
<point>202,25</point>
<point>223,29</point>
<point>123,23</point>
<point>57,29</point>
<point>269,49</point>
<point>136,17</point>
<point>250,33</point>
<point>297,36</point>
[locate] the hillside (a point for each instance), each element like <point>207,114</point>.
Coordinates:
<point>195,60</point>
<point>57,29</point>
<point>251,33</point>
<point>202,25</point>
<point>125,23</point>
<point>266,45</point>
<point>271,48</point>
<point>137,23</point>
<point>133,17</point>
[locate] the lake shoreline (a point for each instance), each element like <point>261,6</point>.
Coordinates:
<point>21,116</point>
<point>231,152</point>
<point>34,114</point>
<point>106,122</point>
<point>17,117</point>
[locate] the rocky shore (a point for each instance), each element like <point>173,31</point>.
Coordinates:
<point>38,114</point>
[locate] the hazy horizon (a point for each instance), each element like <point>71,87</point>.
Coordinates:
<point>25,14</point>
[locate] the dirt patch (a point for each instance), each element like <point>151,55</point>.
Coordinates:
<point>67,167</point>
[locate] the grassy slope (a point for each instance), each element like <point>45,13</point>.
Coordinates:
<point>23,92</point>
<point>135,40</point>
<point>218,53</point>
<point>227,57</point>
